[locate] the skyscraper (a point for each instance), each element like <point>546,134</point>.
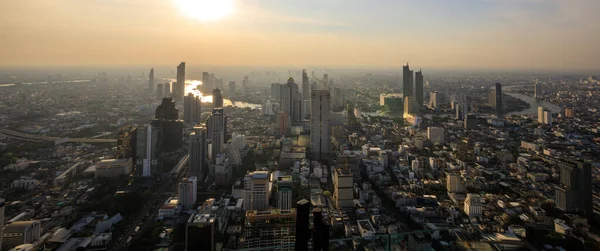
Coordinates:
<point>217,98</point>
<point>170,128</point>
<point>276,92</point>
<point>167,90</point>
<point>537,89</point>
<point>342,184</point>
<point>196,111</point>
<point>325,81</point>
<point>245,84</point>
<point>305,85</point>
<point>256,190</point>
<point>197,151</point>
<point>434,100</point>
<point>302,223</point>
<point>231,89</point>
<point>151,80</point>
<point>180,82</point>
<point>187,107</point>
<point>159,91</point>
<point>288,100</point>
<point>575,191</point>
<point>284,193</point>
<point>218,132</point>
<point>320,132</point>
<point>187,192</point>
<point>407,81</point>
<point>146,160</point>
<point>419,88</point>
<point>499,103</point>
<point>206,85</point>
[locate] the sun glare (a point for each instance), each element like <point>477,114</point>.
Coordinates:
<point>206,10</point>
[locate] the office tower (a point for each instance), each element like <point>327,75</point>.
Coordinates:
<point>266,229</point>
<point>170,129</point>
<point>284,125</point>
<point>2,204</point>
<point>151,80</point>
<point>461,111</point>
<point>351,119</point>
<point>127,143</point>
<point>302,223</point>
<point>213,82</point>
<point>305,109</point>
<point>537,89</point>
<point>288,100</point>
<point>436,135</point>
<point>218,132</point>
<point>419,88</point>
<point>325,81</point>
<point>434,101</point>
<point>196,109</point>
<point>337,99</point>
<point>256,190</point>
<point>187,107</point>
<point>410,106</point>
<point>540,115</point>
<point>305,85</point>
<point>147,139</point>
<point>217,98</point>
<point>547,117</point>
<point>167,91</point>
<point>320,133</point>
<point>200,232</point>
<point>231,89</point>
<point>321,231</point>
<point>197,151</point>
<point>455,183</point>
<point>187,192</point>
<point>245,84</point>
<point>473,207</point>
<point>284,193</point>
<point>407,81</point>
<point>298,107</point>
<point>206,83</point>
<point>343,195</point>
<point>470,122</point>
<point>499,99</point>
<point>159,91</point>
<point>576,178</point>
<point>570,112</point>
<point>178,94</point>
<point>276,92</point>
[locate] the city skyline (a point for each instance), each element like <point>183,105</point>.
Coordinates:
<point>465,34</point>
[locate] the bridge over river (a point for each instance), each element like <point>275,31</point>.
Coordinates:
<point>40,138</point>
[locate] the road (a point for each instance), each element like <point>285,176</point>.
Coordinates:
<point>39,138</point>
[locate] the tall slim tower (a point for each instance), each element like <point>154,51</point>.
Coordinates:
<point>151,80</point>
<point>197,151</point>
<point>180,82</point>
<point>499,103</point>
<point>325,81</point>
<point>419,88</point>
<point>206,85</point>
<point>147,164</point>
<point>407,81</point>
<point>245,84</point>
<point>218,132</point>
<point>159,91</point>
<point>305,85</point>
<point>196,111</point>
<point>288,101</point>
<point>231,89</point>
<point>320,132</point>
<point>167,90</point>
<point>217,98</point>
<point>537,89</point>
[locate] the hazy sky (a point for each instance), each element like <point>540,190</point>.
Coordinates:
<point>510,34</point>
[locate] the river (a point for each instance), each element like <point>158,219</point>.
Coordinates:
<point>533,105</point>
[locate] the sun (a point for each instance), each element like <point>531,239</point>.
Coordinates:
<point>206,10</point>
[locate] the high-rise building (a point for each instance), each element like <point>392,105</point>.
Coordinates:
<point>188,192</point>
<point>343,195</point>
<point>499,98</point>
<point>537,89</point>
<point>267,108</point>
<point>159,91</point>
<point>218,132</point>
<point>284,193</point>
<point>305,108</point>
<point>151,80</point>
<point>288,100</point>
<point>206,82</point>
<point>245,84</point>
<point>284,125</point>
<point>257,190</point>
<point>166,91</point>
<point>325,81</point>
<point>200,232</point>
<point>337,99</point>
<point>434,100</point>
<point>540,118</point>
<point>455,183</point>
<point>470,122</point>
<point>302,223</point>
<point>276,92</point>
<point>547,117</point>
<point>192,109</point>
<point>170,129</point>
<point>217,98</point>
<point>2,205</point>
<point>265,229</point>
<point>147,138</point>
<point>570,112</point>
<point>410,106</point>
<point>351,119</point>
<point>305,85</point>
<point>461,110</point>
<point>197,151</point>
<point>231,89</point>
<point>407,81</point>
<point>419,88</point>
<point>436,135</point>
<point>178,94</point>
<point>473,207</point>
<point>320,132</point>
<point>575,191</point>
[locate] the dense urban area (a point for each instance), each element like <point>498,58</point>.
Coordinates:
<point>316,159</point>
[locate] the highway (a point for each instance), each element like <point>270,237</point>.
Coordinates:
<point>39,138</point>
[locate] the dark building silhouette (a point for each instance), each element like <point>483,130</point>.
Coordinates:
<point>499,103</point>
<point>305,85</point>
<point>419,87</point>
<point>302,222</point>
<point>217,98</point>
<point>167,90</point>
<point>197,151</point>
<point>407,81</point>
<point>127,143</point>
<point>574,194</point>
<point>191,108</point>
<point>151,80</point>
<point>218,132</point>
<point>159,91</point>
<point>170,128</point>
<point>321,231</point>
<point>180,90</point>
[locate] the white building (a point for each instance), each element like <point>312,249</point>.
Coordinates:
<point>320,131</point>
<point>473,206</point>
<point>113,167</point>
<point>25,183</point>
<point>187,192</point>
<point>436,135</point>
<point>267,108</point>
<point>257,190</point>
<point>434,100</point>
